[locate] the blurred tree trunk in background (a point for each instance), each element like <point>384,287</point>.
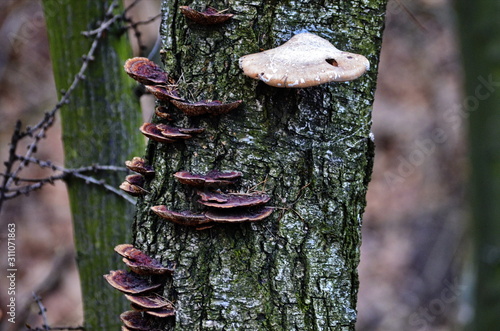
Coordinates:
<point>480,36</point>
<point>99,127</point>
<point>296,270</point>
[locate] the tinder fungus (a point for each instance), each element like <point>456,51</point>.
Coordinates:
<point>129,282</point>
<point>209,16</point>
<point>304,60</point>
<point>205,107</point>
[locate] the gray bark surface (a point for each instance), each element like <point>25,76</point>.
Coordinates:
<point>309,149</point>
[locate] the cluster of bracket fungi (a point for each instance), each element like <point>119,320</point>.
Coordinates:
<point>142,286</point>
<point>222,207</point>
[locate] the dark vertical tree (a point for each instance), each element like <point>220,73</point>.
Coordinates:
<point>309,149</point>
<point>99,127</point>
<point>480,37</point>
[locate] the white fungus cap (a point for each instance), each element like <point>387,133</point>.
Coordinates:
<point>304,60</point>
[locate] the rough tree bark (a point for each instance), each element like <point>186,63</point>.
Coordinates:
<point>99,127</point>
<point>310,149</point>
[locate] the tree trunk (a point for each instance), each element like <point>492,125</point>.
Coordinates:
<point>99,127</point>
<point>479,33</point>
<point>309,149</point>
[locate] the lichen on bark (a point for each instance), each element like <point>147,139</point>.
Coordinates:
<point>307,148</point>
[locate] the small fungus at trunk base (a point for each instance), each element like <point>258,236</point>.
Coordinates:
<point>304,60</point>
<point>209,16</point>
<point>129,282</point>
<point>214,108</point>
<point>146,72</point>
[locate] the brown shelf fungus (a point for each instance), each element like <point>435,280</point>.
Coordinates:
<point>167,134</point>
<point>214,108</point>
<point>183,218</point>
<point>164,93</point>
<point>135,320</point>
<point>238,215</point>
<point>140,263</point>
<point>138,164</point>
<point>152,301</point>
<point>231,200</point>
<point>209,16</point>
<point>304,60</point>
<point>132,189</point>
<point>129,282</point>
<point>212,178</point>
<point>146,72</point>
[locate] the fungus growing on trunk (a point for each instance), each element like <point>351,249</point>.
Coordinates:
<point>134,320</point>
<point>129,282</point>
<point>138,164</point>
<point>183,218</point>
<point>238,215</point>
<point>205,107</point>
<point>152,301</point>
<point>212,178</point>
<point>164,93</point>
<point>304,60</point>
<point>167,134</point>
<point>146,72</point>
<point>132,189</point>
<point>231,200</point>
<point>141,263</point>
<point>209,16</point>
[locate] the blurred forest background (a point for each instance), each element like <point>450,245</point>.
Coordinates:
<point>415,243</point>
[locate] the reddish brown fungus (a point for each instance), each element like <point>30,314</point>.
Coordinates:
<point>164,93</point>
<point>238,215</point>
<point>212,178</point>
<point>184,218</point>
<point>129,282</point>
<point>138,165</point>
<point>162,312</point>
<point>136,321</point>
<point>152,301</point>
<point>146,71</point>
<point>135,180</point>
<point>132,189</point>
<point>151,131</point>
<point>205,107</point>
<point>162,112</point>
<point>232,200</point>
<point>209,16</point>
<point>140,263</point>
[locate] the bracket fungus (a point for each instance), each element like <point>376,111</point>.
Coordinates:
<point>138,164</point>
<point>303,61</point>
<point>140,263</point>
<point>167,134</point>
<point>231,200</point>
<point>152,301</point>
<point>164,93</point>
<point>134,320</point>
<point>183,218</point>
<point>132,189</point>
<point>212,178</point>
<point>238,215</point>
<point>146,71</point>
<point>209,16</point>
<point>129,282</point>
<point>205,107</point>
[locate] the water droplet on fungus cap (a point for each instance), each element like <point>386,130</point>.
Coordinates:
<point>303,61</point>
